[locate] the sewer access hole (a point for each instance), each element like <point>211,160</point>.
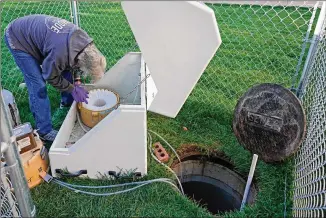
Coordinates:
<point>213,186</point>
<point>216,199</point>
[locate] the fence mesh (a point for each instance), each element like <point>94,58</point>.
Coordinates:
<point>107,24</point>
<point>310,180</point>
<point>8,202</point>
<point>11,75</point>
<point>261,42</point>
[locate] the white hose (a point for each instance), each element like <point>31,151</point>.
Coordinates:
<point>166,143</point>
<point>114,186</point>
<point>171,149</point>
<point>176,176</point>
<point>110,193</point>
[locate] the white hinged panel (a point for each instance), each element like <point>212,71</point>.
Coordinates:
<point>177,40</point>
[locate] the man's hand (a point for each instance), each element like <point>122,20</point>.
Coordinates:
<point>80,94</point>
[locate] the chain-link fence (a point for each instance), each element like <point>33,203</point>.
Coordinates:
<point>15,199</point>
<point>262,41</point>
<point>107,24</point>
<point>310,180</point>
<point>9,205</point>
<point>11,75</point>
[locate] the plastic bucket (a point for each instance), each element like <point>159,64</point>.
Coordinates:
<point>101,102</point>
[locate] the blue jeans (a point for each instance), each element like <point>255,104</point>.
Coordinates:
<point>39,102</point>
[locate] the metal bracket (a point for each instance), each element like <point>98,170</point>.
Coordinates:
<point>5,145</point>
<point>118,175</point>
<point>68,174</point>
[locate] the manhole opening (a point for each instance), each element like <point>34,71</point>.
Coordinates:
<point>214,197</point>
<point>213,185</point>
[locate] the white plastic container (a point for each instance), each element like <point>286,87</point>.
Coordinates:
<point>116,142</point>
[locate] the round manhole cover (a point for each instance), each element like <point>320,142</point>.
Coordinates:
<point>269,121</point>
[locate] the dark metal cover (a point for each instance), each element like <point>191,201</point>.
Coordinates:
<point>270,122</point>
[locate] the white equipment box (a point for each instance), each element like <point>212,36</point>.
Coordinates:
<point>177,40</point>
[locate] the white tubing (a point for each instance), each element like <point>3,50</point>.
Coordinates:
<point>171,149</point>
<point>157,160</point>
<point>139,184</point>
<point>114,186</point>
<point>251,174</point>
<point>166,143</point>
<point>109,193</point>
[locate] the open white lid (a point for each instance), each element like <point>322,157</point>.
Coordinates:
<point>177,40</point>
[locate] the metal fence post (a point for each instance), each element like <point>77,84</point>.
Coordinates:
<point>304,46</point>
<point>14,165</point>
<point>309,178</point>
<point>312,49</point>
<point>74,10</point>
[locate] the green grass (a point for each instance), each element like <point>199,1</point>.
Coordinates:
<point>259,45</point>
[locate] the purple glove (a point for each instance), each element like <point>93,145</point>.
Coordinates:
<point>80,94</point>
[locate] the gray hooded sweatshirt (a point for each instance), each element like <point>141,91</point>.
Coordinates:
<point>53,41</point>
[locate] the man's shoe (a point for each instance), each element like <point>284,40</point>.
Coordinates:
<point>49,137</point>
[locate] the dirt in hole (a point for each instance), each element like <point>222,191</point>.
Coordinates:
<point>193,151</point>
